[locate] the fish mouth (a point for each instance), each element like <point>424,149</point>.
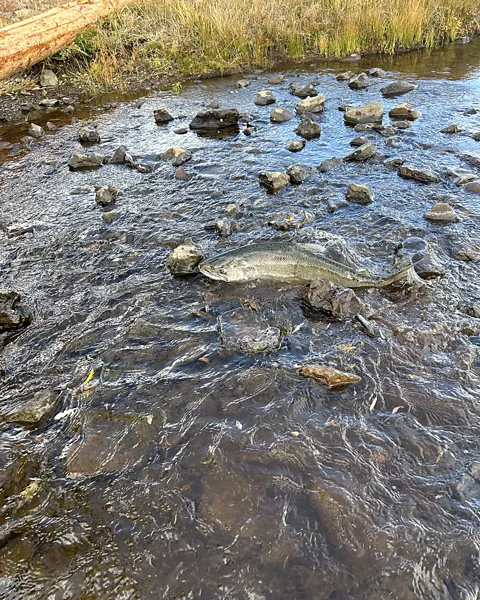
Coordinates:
<point>209,271</point>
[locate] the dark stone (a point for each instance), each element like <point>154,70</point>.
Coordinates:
<point>215,119</point>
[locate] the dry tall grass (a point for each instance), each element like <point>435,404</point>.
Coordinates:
<point>184,37</point>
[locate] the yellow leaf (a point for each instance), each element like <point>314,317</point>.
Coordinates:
<point>89,377</point>
<point>347,348</point>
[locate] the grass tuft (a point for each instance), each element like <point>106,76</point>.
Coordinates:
<point>197,37</point>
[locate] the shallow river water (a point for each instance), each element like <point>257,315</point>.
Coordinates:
<point>175,468</point>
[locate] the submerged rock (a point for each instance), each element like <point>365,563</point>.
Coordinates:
<point>162,116</point>
<point>422,175</point>
<point>359,194</point>
<point>402,124</point>
<point>36,131</point>
<point>273,181</point>
<point>312,104</point>
<point>442,212</point>
<point>385,130</point>
<point>244,330</point>
<point>453,128</point>
<point>295,145</point>
<point>397,88</point>
<point>264,98</point>
<point>216,119</point>
<point>85,162</point>
<point>335,380</point>
<point>359,82</point>
<point>184,259</point>
<point>369,113</point>
<point>362,153</point>
<point>12,314</point>
<point>106,195</point>
<point>280,115</point>
<point>304,91</point>
<point>34,411</point>
<point>359,141</point>
<point>88,135</point>
<point>299,173</point>
<point>285,222</point>
<point>329,164</point>
<point>110,443</point>
<point>242,83</point>
<point>308,129</point>
<point>177,156</point>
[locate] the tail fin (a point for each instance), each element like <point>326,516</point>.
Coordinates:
<point>407,271</point>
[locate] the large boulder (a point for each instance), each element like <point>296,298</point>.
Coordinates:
<point>422,175</point>
<point>216,119</point>
<point>184,259</point>
<point>244,330</point>
<point>370,113</point>
<point>397,88</point>
<point>312,104</point>
<point>273,181</point>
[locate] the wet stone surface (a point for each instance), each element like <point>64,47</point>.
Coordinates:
<point>183,454</point>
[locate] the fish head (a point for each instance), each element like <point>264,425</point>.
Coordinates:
<point>227,268</point>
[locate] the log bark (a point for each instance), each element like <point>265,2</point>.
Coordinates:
<point>28,42</point>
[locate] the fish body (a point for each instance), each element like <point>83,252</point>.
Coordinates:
<point>290,263</point>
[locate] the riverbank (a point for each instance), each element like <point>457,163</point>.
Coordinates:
<point>200,37</point>
<point>147,40</point>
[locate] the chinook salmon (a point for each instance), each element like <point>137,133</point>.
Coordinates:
<point>290,263</point>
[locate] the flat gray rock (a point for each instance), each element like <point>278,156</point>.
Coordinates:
<point>244,330</point>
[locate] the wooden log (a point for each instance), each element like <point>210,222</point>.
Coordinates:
<point>28,42</point>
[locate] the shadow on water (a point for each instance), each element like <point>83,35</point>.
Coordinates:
<point>162,464</point>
